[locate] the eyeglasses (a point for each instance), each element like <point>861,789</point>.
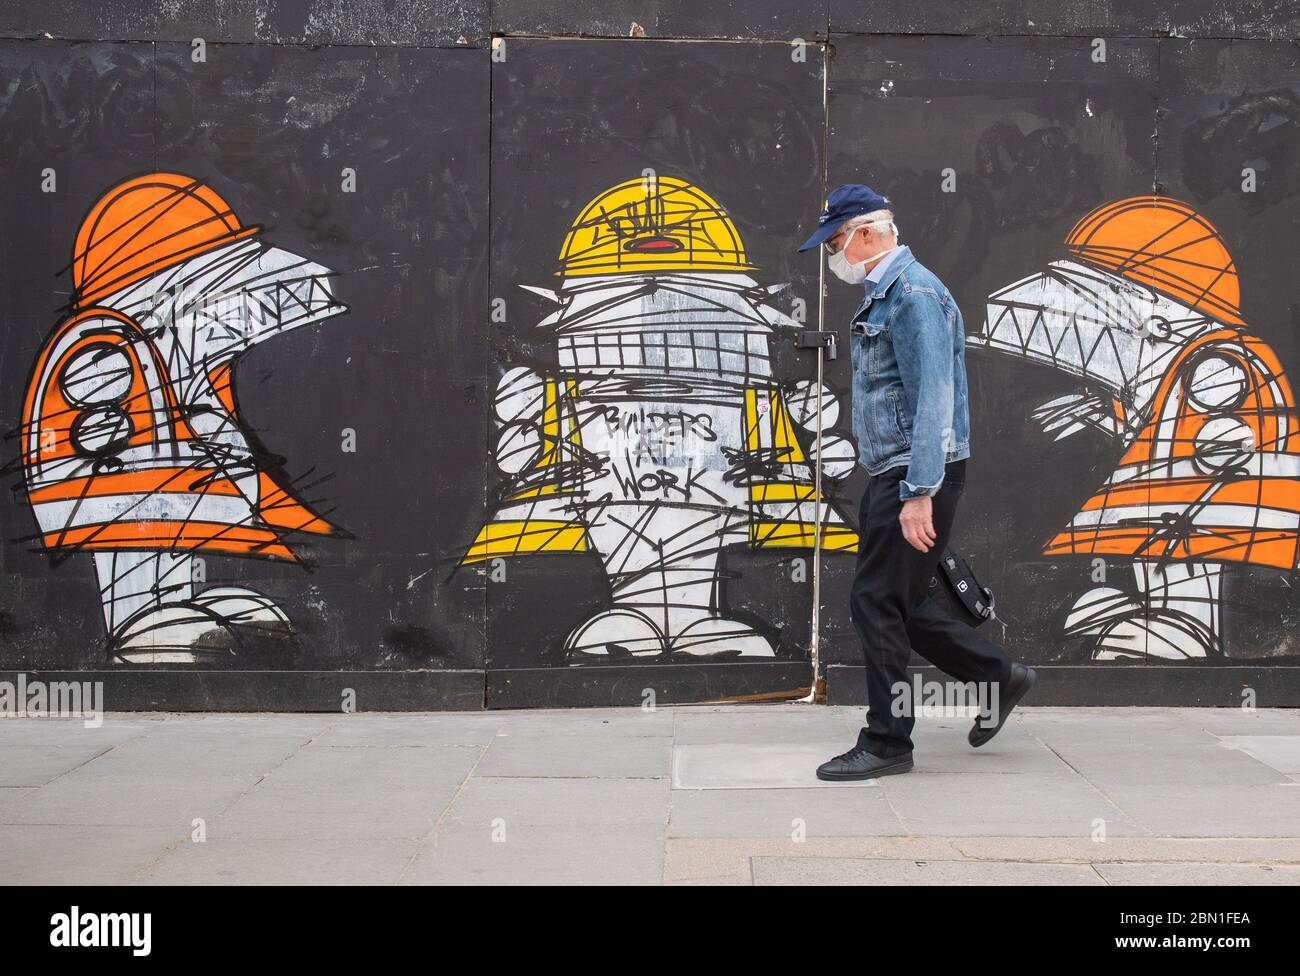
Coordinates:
<point>832,248</point>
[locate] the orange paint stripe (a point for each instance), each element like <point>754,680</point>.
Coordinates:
<point>183,536</point>
<point>1149,492</point>
<point>1279,493</point>
<point>1120,541</point>
<point>1262,548</point>
<point>280,509</point>
<point>181,481</point>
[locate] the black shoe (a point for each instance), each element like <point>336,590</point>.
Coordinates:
<point>1021,680</point>
<point>857,763</point>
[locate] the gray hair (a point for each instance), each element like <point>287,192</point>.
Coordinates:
<point>876,216</point>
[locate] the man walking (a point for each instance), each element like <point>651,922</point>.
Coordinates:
<point>912,425</point>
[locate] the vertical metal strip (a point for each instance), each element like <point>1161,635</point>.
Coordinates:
<point>814,644</point>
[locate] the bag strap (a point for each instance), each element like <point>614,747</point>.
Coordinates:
<point>977,599</point>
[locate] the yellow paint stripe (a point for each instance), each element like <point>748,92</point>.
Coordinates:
<point>787,441</point>
<point>781,535</point>
<point>535,492</point>
<point>520,538</point>
<point>550,426</point>
<point>782,493</point>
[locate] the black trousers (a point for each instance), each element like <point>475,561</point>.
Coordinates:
<point>894,614</point>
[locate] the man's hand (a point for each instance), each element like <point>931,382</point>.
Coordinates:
<point>917,522</point>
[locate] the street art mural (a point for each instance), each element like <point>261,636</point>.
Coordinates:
<point>662,437</point>
<point>1144,315</point>
<point>132,447</point>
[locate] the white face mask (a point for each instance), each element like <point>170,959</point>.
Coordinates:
<point>853,274</point>
<point>842,268</point>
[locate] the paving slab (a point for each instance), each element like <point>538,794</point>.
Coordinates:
<point>856,809</point>
<point>1197,809</point>
<point>1211,875</point>
<point>36,765</point>
<point>763,726</point>
<point>56,854</point>
<point>540,854</point>
<point>1241,721</point>
<point>1171,776</point>
<point>574,754</point>
<point>895,873</point>
<point>416,731</point>
<point>293,859</point>
<point>1279,752</point>
<point>1085,850</point>
<point>728,860</point>
<point>731,766</point>
<point>159,779</point>
<point>114,728</point>
<point>1060,805</point>
<point>382,791</point>
<point>11,798</point>
<point>216,726</point>
<point>575,802</point>
<point>656,722</point>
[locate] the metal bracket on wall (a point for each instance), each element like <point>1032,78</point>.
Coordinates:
<point>817,339</point>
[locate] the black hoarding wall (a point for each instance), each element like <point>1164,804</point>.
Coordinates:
<point>659,558</point>
<point>444,356</point>
<point>321,414</point>
<point>1021,137</point>
<point>1110,504</point>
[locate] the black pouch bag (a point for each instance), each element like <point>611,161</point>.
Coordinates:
<point>955,585</point>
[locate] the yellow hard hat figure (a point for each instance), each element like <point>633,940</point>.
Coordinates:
<point>653,224</point>
<point>662,437</point>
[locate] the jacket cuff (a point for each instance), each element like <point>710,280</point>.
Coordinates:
<point>908,490</point>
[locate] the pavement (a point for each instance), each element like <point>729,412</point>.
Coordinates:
<point>679,795</point>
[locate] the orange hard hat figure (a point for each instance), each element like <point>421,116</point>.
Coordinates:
<point>1145,315</point>
<point>132,446</point>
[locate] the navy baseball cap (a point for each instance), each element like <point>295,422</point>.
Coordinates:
<point>848,200</point>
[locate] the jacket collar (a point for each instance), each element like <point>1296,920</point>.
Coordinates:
<point>896,267</point>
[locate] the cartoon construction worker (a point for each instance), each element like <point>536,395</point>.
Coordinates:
<point>663,437</point>
<point>132,445</point>
<point>1144,314</point>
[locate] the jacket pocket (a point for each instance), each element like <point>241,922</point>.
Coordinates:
<point>872,339</point>
<point>901,422</point>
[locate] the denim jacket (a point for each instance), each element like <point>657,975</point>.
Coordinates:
<point>909,376</point>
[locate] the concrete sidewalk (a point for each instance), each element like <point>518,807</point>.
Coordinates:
<point>686,794</point>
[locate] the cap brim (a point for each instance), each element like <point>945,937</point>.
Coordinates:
<point>822,233</point>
